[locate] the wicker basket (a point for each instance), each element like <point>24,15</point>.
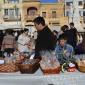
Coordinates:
<point>8,68</point>
<point>51,71</point>
<point>29,68</point>
<point>81,69</point>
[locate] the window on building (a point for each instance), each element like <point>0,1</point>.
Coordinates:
<point>84,19</point>
<point>83,13</point>
<point>80,13</point>
<point>5,1</point>
<point>5,11</point>
<point>80,3</point>
<point>84,6</point>
<point>84,16</point>
<point>67,13</point>
<point>11,1</point>
<point>53,14</point>
<point>68,3</point>
<point>11,13</point>
<point>17,11</point>
<point>31,11</point>
<point>44,14</point>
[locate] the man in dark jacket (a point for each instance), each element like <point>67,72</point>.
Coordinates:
<point>72,36</point>
<point>45,39</point>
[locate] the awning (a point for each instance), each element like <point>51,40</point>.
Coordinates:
<point>2,27</point>
<point>13,26</point>
<point>10,25</point>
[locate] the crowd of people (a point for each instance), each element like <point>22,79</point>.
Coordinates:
<point>68,40</point>
<point>74,38</point>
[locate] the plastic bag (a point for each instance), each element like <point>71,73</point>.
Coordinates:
<point>49,60</point>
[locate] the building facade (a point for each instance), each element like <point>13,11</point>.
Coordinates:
<point>68,4</point>
<point>11,13</point>
<point>52,12</point>
<point>22,12</point>
<point>84,13</point>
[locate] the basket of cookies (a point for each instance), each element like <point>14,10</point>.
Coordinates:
<point>8,66</point>
<point>49,63</point>
<point>80,60</point>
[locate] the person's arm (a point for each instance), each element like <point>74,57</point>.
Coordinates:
<point>3,43</point>
<point>20,41</point>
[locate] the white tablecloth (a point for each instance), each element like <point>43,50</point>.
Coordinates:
<point>67,78</point>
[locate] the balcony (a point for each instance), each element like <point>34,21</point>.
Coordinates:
<point>29,18</point>
<point>11,18</point>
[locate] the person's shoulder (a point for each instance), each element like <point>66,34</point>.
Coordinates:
<point>68,45</point>
<point>20,36</point>
<point>75,28</point>
<point>57,46</point>
<point>47,31</point>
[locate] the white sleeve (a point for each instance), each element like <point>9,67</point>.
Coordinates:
<point>21,40</point>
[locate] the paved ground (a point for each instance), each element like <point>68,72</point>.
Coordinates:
<point>75,78</point>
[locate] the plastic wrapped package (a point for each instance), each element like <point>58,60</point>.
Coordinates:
<point>81,63</point>
<point>49,63</point>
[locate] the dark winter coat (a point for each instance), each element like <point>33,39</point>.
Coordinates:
<point>45,41</point>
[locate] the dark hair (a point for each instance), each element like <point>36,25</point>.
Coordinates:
<point>64,28</point>
<point>9,31</point>
<point>63,36</point>
<point>21,31</point>
<point>54,31</point>
<point>39,20</point>
<point>25,30</point>
<point>72,24</point>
